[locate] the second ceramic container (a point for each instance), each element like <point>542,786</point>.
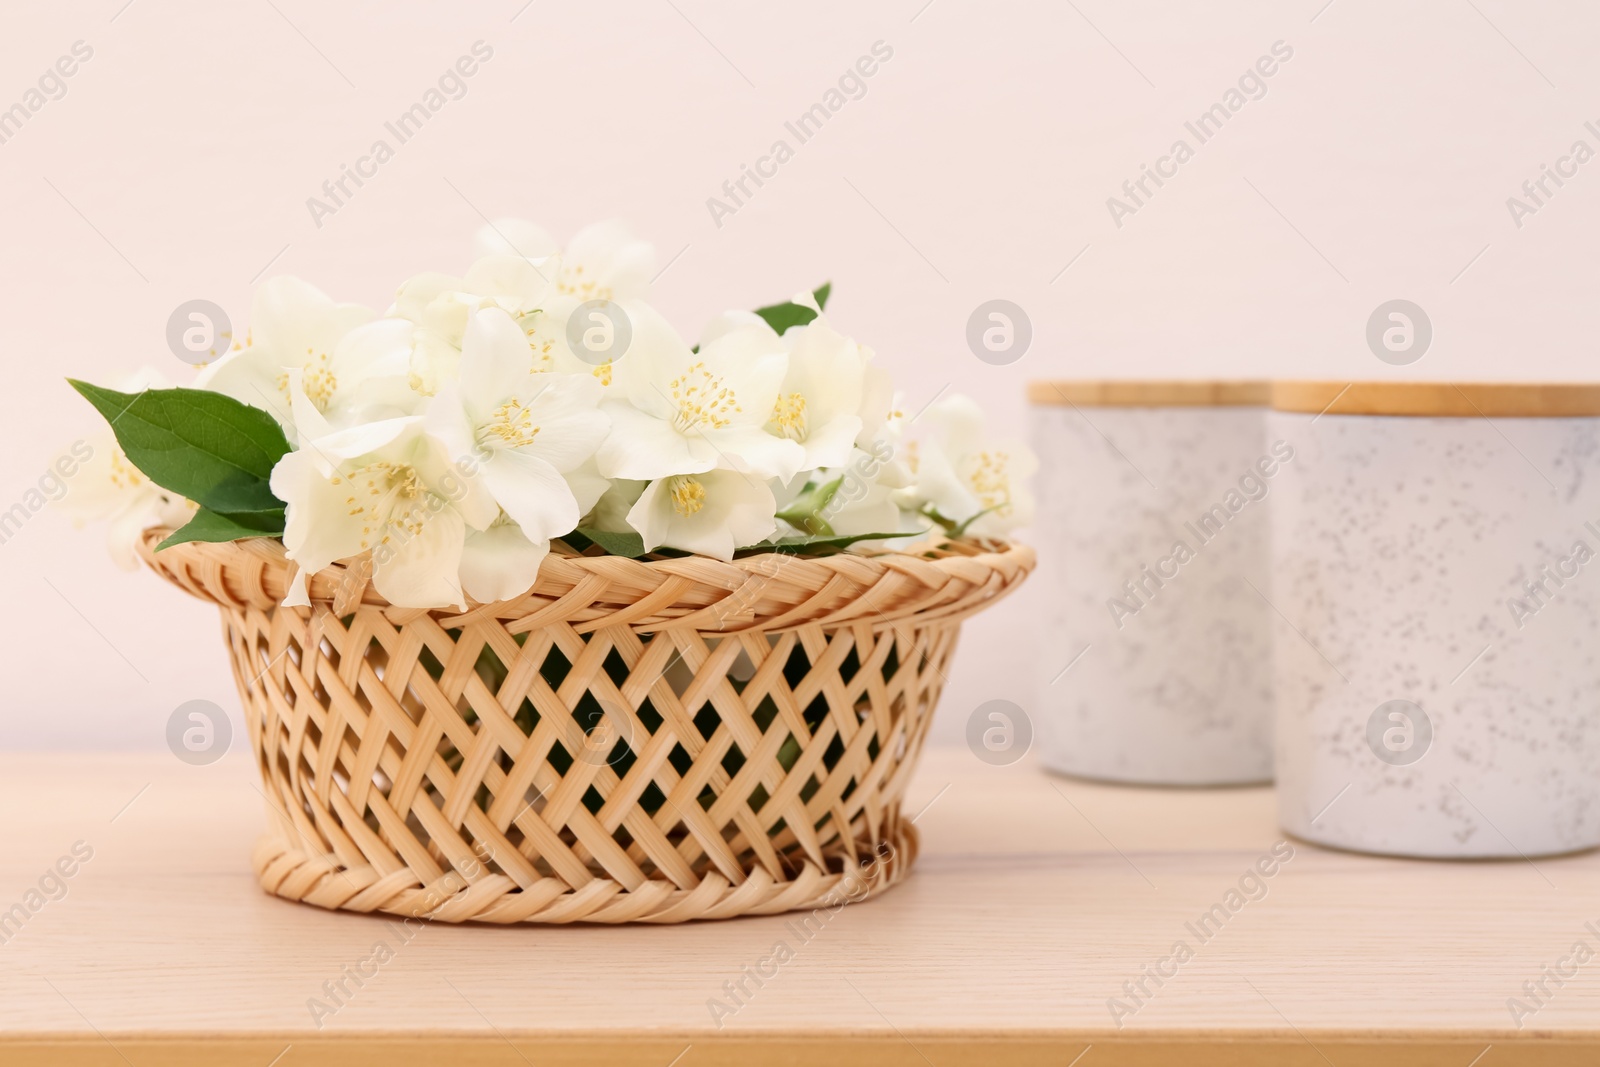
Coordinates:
<point>1152,526</point>
<point>1437,560</point>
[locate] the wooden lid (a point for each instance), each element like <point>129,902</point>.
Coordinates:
<point>1152,393</point>
<point>1463,399</point>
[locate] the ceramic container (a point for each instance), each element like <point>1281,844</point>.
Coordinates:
<point>1434,557</point>
<point>1155,662</point>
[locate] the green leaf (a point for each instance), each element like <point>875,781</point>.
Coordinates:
<point>210,526</point>
<point>824,544</point>
<point>782,316</point>
<point>204,446</point>
<point>961,529</point>
<point>627,544</point>
<point>805,511</point>
<point>632,545</point>
<point>952,528</point>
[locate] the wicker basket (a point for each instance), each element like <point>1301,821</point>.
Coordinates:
<point>629,741</point>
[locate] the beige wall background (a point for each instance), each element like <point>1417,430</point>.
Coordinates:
<point>1374,164</point>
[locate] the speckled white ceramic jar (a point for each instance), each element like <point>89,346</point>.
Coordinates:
<point>1155,663</point>
<point>1431,701</point>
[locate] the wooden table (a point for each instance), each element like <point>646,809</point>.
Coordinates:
<point>1035,900</point>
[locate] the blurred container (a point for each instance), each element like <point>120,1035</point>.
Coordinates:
<point>1156,656</point>
<point>1439,692</point>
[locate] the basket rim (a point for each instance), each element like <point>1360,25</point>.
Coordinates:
<point>768,591</point>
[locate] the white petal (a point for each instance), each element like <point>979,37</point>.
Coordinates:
<point>514,237</point>
<point>643,447</point>
<point>514,283</point>
<point>532,492</point>
<point>611,259</point>
<point>422,570</point>
<point>940,484</point>
<point>730,322</point>
<point>494,361</point>
<point>125,529</point>
<point>318,529</point>
<point>500,563</point>
<point>588,487</point>
<point>434,361</point>
<point>610,509</point>
<point>281,307</point>
<point>252,376</point>
<point>446,423</point>
<point>309,422</point>
<point>445,418</point>
<point>105,482</point>
<point>571,425</point>
<point>378,348</point>
<point>861,507</point>
<point>358,440</point>
<point>417,294</point>
<point>651,514</point>
<point>957,421</point>
<point>289,315</point>
<point>831,444</point>
<point>734,512</point>
<point>877,400</point>
<point>752,371</point>
<point>754,451</point>
<point>827,368</point>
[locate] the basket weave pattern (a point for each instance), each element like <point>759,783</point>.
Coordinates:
<point>629,741</point>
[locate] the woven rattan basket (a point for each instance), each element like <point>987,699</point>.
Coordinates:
<point>629,741</point>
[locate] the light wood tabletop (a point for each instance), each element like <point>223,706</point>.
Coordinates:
<point>1039,910</point>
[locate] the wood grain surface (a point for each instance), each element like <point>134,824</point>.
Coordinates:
<point>1468,400</point>
<point>1150,393</point>
<point>1035,900</point>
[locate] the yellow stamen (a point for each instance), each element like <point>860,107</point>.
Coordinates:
<point>688,495</point>
<point>991,481</point>
<point>512,424</point>
<point>399,504</point>
<point>789,417</point>
<point>316,378</point>
<point>703,400</point>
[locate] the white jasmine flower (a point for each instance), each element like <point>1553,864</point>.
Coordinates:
<point>825,393</point>
<point>107,488</point>
<point>601,328</point>
<point>601,262</point>
<point>870,488</point>
<point>712,513</point>
<point>529,290</point>
<point>441,306</point>
<point>500,563</point>
<point>294,326</point>
<point>448,442</point>
<point>610,510</point>
<point>589,486</point>
<point>960,475</point>
<point>689,413</point>
<point>515,435</point>
<point>380,488</point>
<point>514,237</point>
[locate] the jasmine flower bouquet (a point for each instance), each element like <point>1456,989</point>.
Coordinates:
<point>538,403</point>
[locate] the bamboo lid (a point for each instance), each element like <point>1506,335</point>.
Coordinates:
<point>1463,399</point>
<point>1152,393</point>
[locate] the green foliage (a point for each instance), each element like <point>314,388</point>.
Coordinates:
<point>210,526</point>
<point>204,447</point>
<point>782,316</point>
<point>805,511</point>
<point>824,544</point>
